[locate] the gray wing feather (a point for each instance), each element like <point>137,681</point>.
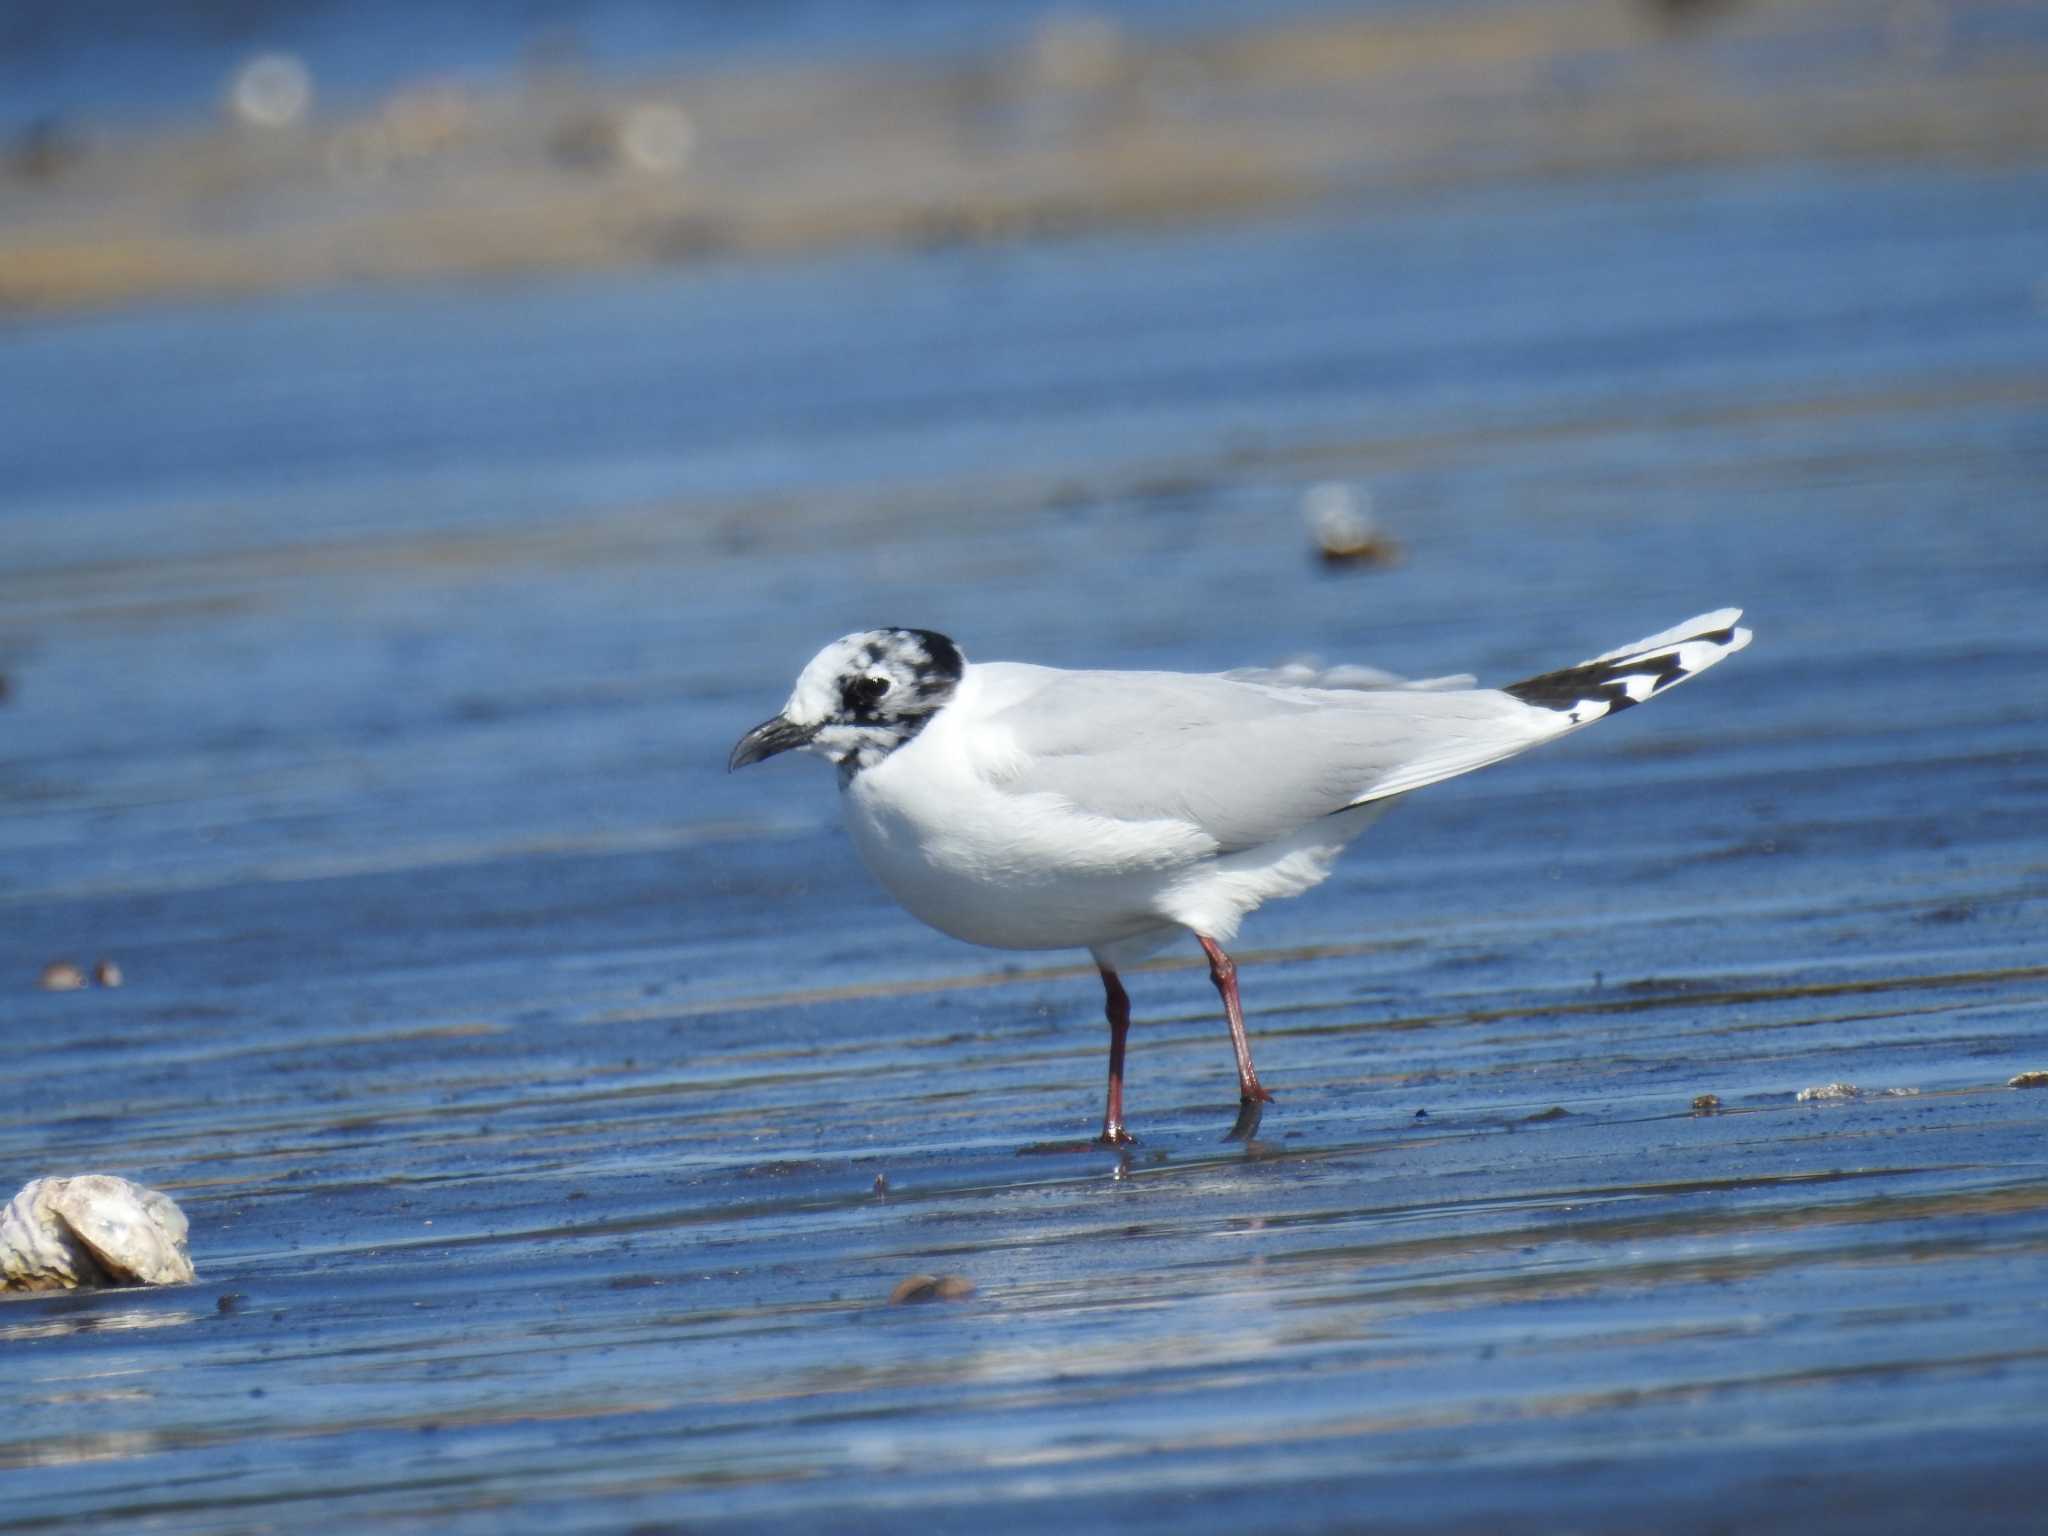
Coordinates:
<point>1248,762</point>
<point>1351,675</point>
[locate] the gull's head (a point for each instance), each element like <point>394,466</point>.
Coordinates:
<point>860,699</point>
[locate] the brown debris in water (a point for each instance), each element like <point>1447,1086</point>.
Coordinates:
<point>1706,1102</point>
<point>69,976</point>
<point>2028,1080</point>
<point>915,1288</point>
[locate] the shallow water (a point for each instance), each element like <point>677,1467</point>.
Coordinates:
<point>527,1080</point>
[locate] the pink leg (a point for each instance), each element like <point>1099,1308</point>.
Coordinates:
<point>1251,1098</point>
<point>1117,1004</point>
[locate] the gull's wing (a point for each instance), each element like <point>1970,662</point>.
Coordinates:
<point>1246,762</point>
<point>1353,677</point>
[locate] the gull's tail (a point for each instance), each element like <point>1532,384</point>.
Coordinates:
<point>1430,736</point>
<point>1632,673</point>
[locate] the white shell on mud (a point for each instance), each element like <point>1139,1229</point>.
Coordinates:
<point>92,1230</point>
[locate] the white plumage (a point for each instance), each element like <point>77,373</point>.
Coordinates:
<point>1027,807</point>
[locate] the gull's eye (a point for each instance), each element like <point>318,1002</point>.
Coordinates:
<point>866,690</point>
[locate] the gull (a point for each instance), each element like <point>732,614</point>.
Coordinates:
<point>1028,807</point>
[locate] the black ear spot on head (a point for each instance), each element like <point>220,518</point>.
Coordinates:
<point>943,656</point>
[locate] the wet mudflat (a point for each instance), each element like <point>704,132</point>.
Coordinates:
<point>555,1113</point>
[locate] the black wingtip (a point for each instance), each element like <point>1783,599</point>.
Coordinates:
<point>1621,679</point>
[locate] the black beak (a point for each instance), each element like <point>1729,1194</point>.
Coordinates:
<point>776,734</point>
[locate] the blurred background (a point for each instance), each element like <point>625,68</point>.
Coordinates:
<point>430,434</point>
<point>419,416</point>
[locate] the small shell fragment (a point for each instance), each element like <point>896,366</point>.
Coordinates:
<point>61,976</point>
<point>913,1288</point>
<point>106,974</point>
<point>1829,1093</point>
<point>1342,526</point>
<point>91,1230</point>
<point>2028,1080</point>
<point>1841,1092</point>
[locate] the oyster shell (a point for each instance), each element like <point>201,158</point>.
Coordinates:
<point>91,1230</point>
